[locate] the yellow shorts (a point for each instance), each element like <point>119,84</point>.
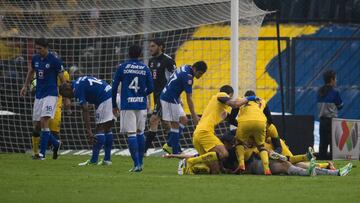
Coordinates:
<point>55,123</point>
<point>204,141</point>
<point>251,132</point>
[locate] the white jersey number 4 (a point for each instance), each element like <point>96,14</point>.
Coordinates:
<point>134,85</point>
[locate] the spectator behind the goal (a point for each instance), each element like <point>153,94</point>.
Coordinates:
<point>328,102</point>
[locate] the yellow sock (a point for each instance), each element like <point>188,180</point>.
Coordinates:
<point>298,158</point>
<point>265,159</point>
<point>240,153</point>
<point>35,144</point>
<point>203,159</point>
<point>200,169</point>
<point>322,165</point>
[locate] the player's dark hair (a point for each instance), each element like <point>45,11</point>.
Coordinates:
<point>227,89</point>
<point>159,42</point>
<point>42,42</point>
<point>200,66</point>
<point>328,76</point>
<point>249,93</point>
<point>134,51</point>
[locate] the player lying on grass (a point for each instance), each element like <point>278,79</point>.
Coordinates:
<point>277,166</point>
<point>254,165</point>
<point>55,123</point>
<point>208,145</point>
<point>90,90</point>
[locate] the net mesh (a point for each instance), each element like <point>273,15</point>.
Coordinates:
<point>94,37</point>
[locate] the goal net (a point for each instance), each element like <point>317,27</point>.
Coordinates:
<point>93,36</point>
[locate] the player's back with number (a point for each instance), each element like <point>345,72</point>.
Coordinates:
<point>136,84</point>
<point>92,90</point>
<point>181,80</point>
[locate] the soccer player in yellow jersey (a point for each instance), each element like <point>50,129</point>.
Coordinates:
<point>208,145</point>
<point>54,124</point>
<point>252,129</point>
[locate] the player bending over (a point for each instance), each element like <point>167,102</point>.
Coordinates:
<point>47,67</point>
<point>161,66</point>
<point>207,144</point>
<point>136,85</point>
<point>90,90</point>
<point>172,110</point>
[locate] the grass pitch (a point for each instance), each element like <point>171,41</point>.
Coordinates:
<point>24,180</point>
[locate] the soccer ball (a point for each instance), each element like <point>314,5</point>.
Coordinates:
<point>33,85</point>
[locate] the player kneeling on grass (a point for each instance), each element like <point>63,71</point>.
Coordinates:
<point>90,90</point>
<point>136,85</point>
<point>207,144</point>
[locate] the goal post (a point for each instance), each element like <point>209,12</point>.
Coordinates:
<point>94,36</point>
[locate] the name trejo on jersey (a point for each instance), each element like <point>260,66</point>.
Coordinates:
<point>135,99</point>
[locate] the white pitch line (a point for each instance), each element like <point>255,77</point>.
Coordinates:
<point>65,152</point>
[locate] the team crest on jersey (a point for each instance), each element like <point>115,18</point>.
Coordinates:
<point>158,65</point>
<point>47,65</point>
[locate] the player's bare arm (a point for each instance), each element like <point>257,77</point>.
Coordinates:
<point>190,102</point>
<point>29,76</point>
<point>116,112</point>
<point>86,118</point>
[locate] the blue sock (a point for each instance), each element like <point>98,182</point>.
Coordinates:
<point>55,142</point>
<point>181,130</point>
<point>44,139</point>
<point>134,149</point>
<point>141,143</point>
<point>108,146</point>
<point>100,140</point>
<point>175,140</point>
<point>170,139</point>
